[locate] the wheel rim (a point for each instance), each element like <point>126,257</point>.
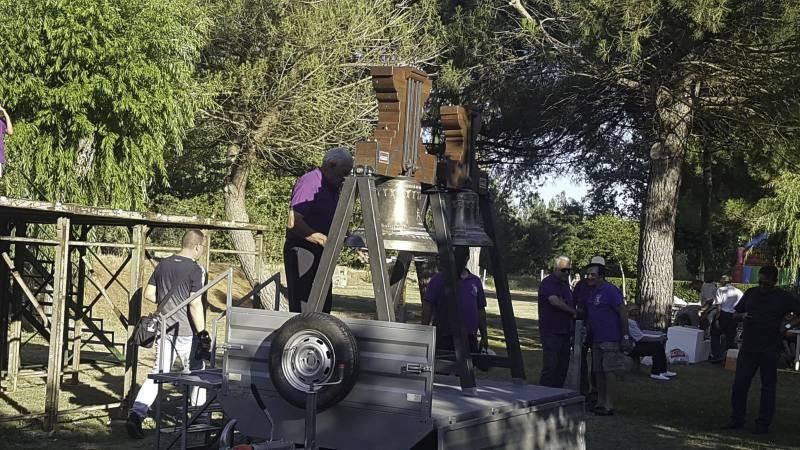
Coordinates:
<point>308,358</point>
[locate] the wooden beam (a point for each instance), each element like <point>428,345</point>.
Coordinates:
<point>114,275</point>
<point>57,328</point>
<point>89,274</point>
<point>16,207</point>
<point>5,301</point>
<point>138,256</point>
<point>80,313</point>
<point>25,289</point>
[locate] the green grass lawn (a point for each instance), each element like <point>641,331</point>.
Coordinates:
<point>683,413</point>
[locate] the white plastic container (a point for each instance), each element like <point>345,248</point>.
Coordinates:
<point>690,341</point>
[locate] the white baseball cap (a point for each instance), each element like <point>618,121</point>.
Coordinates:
<point>599,260</point>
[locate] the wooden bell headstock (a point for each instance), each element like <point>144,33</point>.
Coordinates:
<point>460,128</point>
<point>395,148</point>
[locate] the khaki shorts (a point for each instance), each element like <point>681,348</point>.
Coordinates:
<point>607,357</point>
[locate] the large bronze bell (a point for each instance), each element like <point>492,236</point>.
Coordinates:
<point>399,203</point>
<point>467,222</point>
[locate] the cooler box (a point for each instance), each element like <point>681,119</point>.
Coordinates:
<point>690,341</point>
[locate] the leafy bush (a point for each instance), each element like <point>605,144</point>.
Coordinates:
<point>680,289</point>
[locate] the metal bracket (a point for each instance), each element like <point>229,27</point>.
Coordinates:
<point>232,346</point>
<point>414,368</point>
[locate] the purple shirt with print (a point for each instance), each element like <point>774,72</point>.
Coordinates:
<point>3,131</point>
<point>315,200</point>
<point>601,312</point>
<point>469,294</point>
<point>551,319</point>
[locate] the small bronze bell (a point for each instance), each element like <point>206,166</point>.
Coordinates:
<point>466,221</point>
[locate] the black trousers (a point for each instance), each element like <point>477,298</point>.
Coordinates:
<point>655,350</point>
<point>301,260</point>
<point>766,363</point>
<point>555,359</point>
<point>728,326</point>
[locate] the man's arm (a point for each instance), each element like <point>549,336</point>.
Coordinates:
<point>150,293</point>
<point>298,226</point>
<point>197,313</point>
<point>647,338</point>
<point>559,303</point>
<point>9,125</point>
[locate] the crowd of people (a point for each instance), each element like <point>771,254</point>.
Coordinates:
<point>613,339</point>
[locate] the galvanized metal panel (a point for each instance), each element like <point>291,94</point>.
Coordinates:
<point>383,391</point>
<point>551,426</point>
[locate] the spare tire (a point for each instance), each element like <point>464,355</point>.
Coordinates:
<point>307,349</point>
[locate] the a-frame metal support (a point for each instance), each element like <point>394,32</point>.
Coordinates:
<point>364,187</point>
<point>387,288</point>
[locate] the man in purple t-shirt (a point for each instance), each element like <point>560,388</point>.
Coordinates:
<point>314,199</point>
<point>471,304</point>
<point>556,316</point>
<point>6,127</point>
<point>607,326</point>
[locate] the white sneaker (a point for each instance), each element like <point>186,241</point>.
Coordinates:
<point>659,377</point>
<point>669,374</point>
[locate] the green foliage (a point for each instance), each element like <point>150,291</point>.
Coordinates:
<point>99,90</point>
<point>532,232</point>
<point>292,79</point>
<point>267,204</point>
<point>614,238</point>
<point>685,290</point>
<point>778,214</point>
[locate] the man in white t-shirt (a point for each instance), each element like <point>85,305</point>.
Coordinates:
<point>727,297</point>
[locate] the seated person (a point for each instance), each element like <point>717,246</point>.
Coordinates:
<point>471,301</point>
<point>649,345</point>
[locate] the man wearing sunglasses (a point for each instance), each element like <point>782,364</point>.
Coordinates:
<point>556,315</point>
<point>762,309</point>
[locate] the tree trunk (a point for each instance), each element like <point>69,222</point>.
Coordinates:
<point>707,247</point>
<point>234,194</point>
<point>654,289</point>
<point>624,288</point>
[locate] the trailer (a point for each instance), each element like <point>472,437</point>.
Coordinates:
<point>398,401</point>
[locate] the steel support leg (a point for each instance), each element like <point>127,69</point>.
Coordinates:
<point>503,292</point>
<point>377,253</point>
<point>441,227</point>
<point>330,255</point>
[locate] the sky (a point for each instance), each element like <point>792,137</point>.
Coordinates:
<point>554,185</point>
